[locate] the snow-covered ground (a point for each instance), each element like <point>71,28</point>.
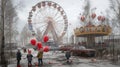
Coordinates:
<point>57,59</point>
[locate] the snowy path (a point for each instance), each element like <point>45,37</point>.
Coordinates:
<point>57,59</point>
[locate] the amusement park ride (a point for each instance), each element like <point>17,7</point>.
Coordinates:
<point>48,18</point>
<point>90,29</point>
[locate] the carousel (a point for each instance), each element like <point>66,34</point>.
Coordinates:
<point>90,31</point>
<point>92,25</point>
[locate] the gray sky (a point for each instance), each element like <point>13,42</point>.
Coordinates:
<point>72,8</point>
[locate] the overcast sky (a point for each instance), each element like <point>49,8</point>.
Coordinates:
<point>72,8</point>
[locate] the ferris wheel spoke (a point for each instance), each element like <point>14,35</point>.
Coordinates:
<point>42,29</point>
<point>58,21</point>
<point>50,11</point>
<point>38,12</point>
<point>42,25</point>
<point>58,32</point>
<point>57,17</point>
<point>45,11</point>
<point>55,14</point>
<point>42,12</point>
<point>39,15</point>
<point>38,22</point>
<point>59,26</point>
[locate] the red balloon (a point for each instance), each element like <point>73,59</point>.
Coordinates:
<point>39,45</point>
<point>46,49</point>
<point>46,38</point>
<point>33,41</point>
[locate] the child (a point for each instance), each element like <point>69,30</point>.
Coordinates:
<point>40,56</point>
<point>29,58</point>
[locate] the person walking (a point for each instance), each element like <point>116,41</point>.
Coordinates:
<point>68,55</point>
<point>29,58</point>
<point>40,56</point>
<point>18,56</point>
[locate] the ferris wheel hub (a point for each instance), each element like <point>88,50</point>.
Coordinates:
<point>49,20</point>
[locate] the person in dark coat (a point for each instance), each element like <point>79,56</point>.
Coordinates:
<point>18,56</point>
<point>29,58</point>
<point>68,55</point>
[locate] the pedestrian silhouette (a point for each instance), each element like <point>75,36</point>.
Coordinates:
<point>68,55</point>
<point>18,56</point>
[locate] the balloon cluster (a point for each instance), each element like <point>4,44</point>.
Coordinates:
<point>39,44</point>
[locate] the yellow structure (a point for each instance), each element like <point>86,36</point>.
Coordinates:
<point>92,30</point>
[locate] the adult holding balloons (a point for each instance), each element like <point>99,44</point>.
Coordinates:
<point>40,56</point>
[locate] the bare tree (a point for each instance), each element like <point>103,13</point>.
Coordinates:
<point>115,6</point>
<point>8,24</point>
<point>3,62</point>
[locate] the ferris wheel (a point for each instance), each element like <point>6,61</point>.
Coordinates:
<point>48,18</point>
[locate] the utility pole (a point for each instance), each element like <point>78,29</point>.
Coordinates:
<point>3,60</point>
